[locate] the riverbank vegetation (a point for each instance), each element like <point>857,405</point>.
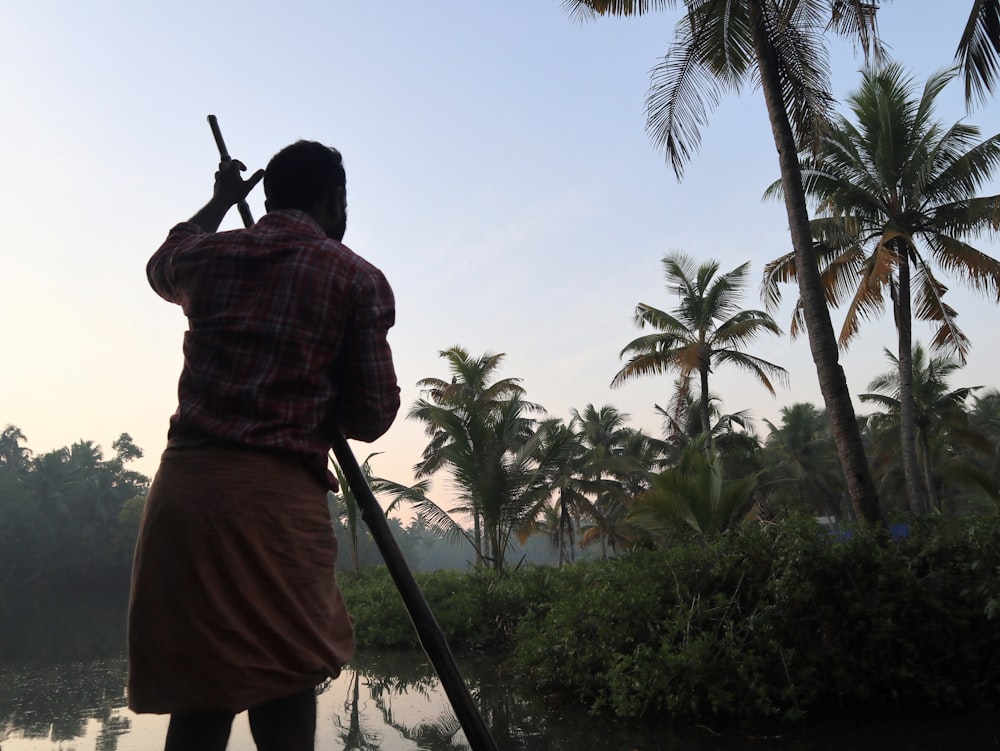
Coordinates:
<point>787,620</point>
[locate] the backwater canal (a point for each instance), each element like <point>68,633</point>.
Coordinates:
<point>62,686</point>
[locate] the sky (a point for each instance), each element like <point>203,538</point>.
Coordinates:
<point>499,173</point>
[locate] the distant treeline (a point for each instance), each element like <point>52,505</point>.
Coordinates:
<point>69,519</point>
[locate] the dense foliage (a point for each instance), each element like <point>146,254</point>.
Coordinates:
<point>777,621</point>
<point>68,517</point>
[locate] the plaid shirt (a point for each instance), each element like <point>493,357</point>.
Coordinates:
<point>286,336</point>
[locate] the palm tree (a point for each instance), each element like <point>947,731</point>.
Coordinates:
<point>731,434</point>
<point>985,420</point>
<point>348,514</point>
<point>458,415</point>
<point>802,460</point>
<point>941,417</point>
<point>693,496</point>
<point>598,482</point>
<point>501,460</point>
<point>15,459</point>
<point>720,46</point>
<point>706,328</point>
<point>571,490</point>
<point>887,188</point>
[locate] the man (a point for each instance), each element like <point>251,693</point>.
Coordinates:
<point>234,602</point>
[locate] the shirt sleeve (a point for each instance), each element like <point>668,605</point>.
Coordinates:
<point>368,394</point>
<point>160,268</point>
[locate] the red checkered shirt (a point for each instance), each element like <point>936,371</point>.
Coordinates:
<point>286,336</point>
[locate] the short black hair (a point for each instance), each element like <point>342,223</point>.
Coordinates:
<point>298,176</point>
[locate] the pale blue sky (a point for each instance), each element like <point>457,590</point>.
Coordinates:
<point>498,172</point>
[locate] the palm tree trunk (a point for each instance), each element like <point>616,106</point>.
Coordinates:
<point>560,528</point>
<point>822,342</point>
<point>477,532</point>
<point>706,418</point>
<point>355,558</point>
<point>916,492</point>
<point>933,501</point>
<point>572,542</point>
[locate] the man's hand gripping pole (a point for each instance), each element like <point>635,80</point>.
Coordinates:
<point>242,206</point>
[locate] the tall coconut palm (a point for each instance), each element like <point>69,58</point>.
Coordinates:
<point>706,328</point>
<point>458,415</point>
<point>896,193</point>
<point>616,459</point>
<point>721,46</point>
<point>501,459</point>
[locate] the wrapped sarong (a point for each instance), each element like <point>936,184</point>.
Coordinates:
<point>234,598</point>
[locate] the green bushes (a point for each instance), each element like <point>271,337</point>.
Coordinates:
<point>776,621</point>
<point>478,611</point>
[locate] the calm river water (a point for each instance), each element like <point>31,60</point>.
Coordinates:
<point>62,686</point>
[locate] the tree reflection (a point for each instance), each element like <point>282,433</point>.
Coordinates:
<point>112,728</point>
<point>391,675</point>
<point>58,701</point>
<point>353,734</point>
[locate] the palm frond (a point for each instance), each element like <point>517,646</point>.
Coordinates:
<point>930,306</point>
<point>978,50</point>
<point>589,9</point>
<point>683,90</point>
<point>856,20</point>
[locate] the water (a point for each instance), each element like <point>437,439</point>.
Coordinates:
<point>62,686</point>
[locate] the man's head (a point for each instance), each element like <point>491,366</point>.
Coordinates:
<point>310,177</point>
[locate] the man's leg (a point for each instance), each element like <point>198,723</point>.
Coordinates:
<point>286,724</point>
<point>202,731</point>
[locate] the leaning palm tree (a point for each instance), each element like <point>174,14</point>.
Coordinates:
<point>721,46</point>
<point>706,328</point>
<point>896,194</point>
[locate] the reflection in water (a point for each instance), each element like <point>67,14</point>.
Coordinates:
<point>62,686</point>
<point>354,736</point>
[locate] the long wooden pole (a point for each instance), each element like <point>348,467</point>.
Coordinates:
<point>431,636</point>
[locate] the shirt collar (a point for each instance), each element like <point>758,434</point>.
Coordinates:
<point>293,218</point>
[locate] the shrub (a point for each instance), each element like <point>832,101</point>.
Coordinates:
<point>777,621</point>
